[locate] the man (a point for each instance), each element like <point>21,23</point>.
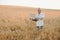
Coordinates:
<point>39,19</point>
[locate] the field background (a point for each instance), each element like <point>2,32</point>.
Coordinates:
<point>16,25</point>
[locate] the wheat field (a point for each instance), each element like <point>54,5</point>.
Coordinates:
<point>16,25</point>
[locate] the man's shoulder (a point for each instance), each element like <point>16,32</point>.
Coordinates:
<point>41,13</point>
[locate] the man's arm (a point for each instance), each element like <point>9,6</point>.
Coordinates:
<point>35,19</point>
<point>41,18</point>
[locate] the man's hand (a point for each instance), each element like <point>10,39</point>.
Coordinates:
<point>34,19</point>
<point>41,18</point>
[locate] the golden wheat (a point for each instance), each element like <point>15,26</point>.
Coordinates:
<point>14,25</point>
<point>27,30</point>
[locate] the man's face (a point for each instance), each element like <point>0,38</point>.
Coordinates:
<point>39,11</point>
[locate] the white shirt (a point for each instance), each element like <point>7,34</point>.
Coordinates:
<point>40,22</point>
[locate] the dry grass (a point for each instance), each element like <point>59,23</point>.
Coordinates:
<point>24,29</point>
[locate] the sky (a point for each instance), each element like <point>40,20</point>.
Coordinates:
<point>46,4</point>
